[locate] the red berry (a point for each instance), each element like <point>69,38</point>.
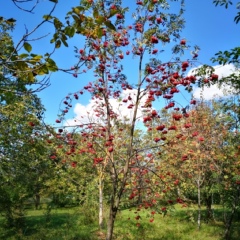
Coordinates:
<point>183,42</point>
<point>110,149</point>
<point>31,124</point>
<point>159,20</point>
<point>201,139</point>
<point>154,51</point>
<point>160,128</point>
<point>154,39</point>
<point>193,101</point>
<point>214,77</point>
<point>105,44</point>
<point>121,56</point>
<point>119,16</point>
<point>185,65</point>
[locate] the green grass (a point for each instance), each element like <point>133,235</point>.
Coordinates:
<point>167,228</point>
<point>81,224</point>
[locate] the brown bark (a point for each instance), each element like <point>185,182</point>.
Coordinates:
<point>199,204</point>
<point>100,203</point>
<point>37,200</point>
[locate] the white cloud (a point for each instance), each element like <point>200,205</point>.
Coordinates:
<point>215,91</point>
<point>89,113</point>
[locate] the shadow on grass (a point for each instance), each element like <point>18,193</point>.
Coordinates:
<point>70,226</point>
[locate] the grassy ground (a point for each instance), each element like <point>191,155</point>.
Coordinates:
<point>81,224</point>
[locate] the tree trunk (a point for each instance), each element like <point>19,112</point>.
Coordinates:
<point>111,220</point>
<point>37,200</point>
<point>100,203</point>
<point>114,205</point>
<point>208,201</point>
<point>228,225</point>
<point>229,220</point>
<point>199,205</point>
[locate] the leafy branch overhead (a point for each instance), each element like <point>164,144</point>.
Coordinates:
<point>226,4</point>
<point>231,56</point>
<point>19,61</point>
<point>222,3</point>
<point>227,57</point>
<point>78,21</point>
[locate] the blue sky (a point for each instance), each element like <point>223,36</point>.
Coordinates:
<point>211,28</point>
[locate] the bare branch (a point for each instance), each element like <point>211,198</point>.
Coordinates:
<point>16,2</point>
<point>25,36</point>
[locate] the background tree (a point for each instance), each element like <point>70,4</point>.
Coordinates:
<point>24,165</point>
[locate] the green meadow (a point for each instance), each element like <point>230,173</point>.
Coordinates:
<point>76,223</point>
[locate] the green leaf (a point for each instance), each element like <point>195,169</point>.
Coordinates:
<point>52,40</point>
<point>23,55</point>
<point>99,32</point>
<point>51,65</point>
<point>64,42</point>
<point>112,13</point>
<point>237,18</point>
<point>50,61</point>
<point>57,23</point>
<point>22,66</point>
<point>145,2</point>
<point>110,25</point>
<point>36,58</point>
<point>80,30</point>
<point>100,20</point>
<point>43,70</point>
<point>77,10</point>
<point>47,17</point>
<point>27,47</point>
<point>11,20</point>
<point>76,18</point>
<point>30,77</point>
<point>58,44</point>
<point>95,13</point>
<point>70,31</point>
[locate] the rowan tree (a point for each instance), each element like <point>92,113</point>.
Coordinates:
<point>202,160</point>
<point>199,152</point>
<point>108,133</point>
